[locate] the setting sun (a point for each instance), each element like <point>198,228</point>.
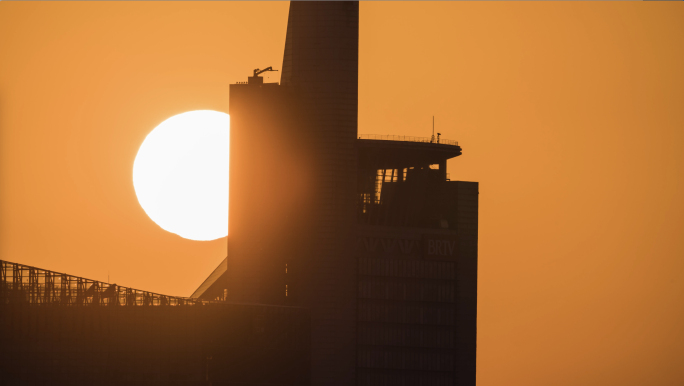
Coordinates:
<point>544,247</point>
<point>180,174</point>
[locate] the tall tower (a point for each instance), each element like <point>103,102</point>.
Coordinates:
<point>321,62</point>
<point>293,169</point>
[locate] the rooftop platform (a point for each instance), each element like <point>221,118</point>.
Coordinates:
<point>397,151</point>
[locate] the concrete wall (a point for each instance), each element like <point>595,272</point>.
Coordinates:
<point>153,345</point>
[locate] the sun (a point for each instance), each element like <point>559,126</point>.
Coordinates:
<point>180,174</point>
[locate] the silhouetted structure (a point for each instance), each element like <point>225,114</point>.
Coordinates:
<point>368,234</point>
<point>351,259</point>
<point>57,329</point>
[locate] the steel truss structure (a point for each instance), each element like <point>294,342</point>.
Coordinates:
<point>30,285</point>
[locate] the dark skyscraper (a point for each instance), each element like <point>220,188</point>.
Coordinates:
<point>293,173</point>
<point>321,60</point>
<point>370,235</point>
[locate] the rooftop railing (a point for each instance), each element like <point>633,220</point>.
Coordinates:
<point>407,138</point>
<point>29,285</point>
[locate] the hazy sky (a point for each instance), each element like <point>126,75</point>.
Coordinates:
<point>570,115</point>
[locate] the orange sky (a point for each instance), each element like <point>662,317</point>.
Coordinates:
<point>570,115</point>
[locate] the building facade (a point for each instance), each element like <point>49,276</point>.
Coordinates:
<point>417,266</point>
<point>369,234</point>
<point>58,329</point>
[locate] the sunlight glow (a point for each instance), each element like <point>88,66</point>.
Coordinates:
<point>180,174</point>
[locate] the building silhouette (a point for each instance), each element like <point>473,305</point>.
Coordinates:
<point>366,232</point>
<point>59,329</point>
<point>352,259</point>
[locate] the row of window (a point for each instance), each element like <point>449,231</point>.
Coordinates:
<point>406,335</point>
<point>408,290</point>
<point>407,313</point>
<point>405,359</point>
<point>374,377</point>
<point>407,268</point>
<point>389,245</point>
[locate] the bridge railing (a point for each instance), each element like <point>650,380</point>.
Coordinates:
<point>30,285</point>
<point>407,138</point>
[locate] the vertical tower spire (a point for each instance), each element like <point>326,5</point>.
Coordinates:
<point>321,63</point>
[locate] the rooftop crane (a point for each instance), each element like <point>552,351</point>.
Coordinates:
<point>256,79</point>
<point>258,72</point>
